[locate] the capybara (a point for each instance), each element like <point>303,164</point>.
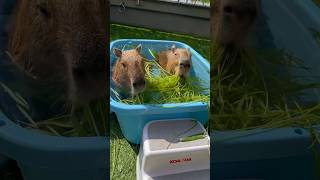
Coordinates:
<point>129,71</point>
<point>232,20</point>
<point>63,43</point>
<point>176,61</point>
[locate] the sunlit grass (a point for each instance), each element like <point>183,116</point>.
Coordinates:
<point>163,88</point>
<point>247,96</point>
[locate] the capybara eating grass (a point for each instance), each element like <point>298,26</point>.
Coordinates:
<point>63,43</point>
<point>129,71</point>
<point>176,61</point>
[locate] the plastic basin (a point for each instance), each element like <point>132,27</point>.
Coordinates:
<point>132,118</point>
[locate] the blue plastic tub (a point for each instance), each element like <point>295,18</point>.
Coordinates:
<point>132,118</point>
<point>40,156</point>
<point>284,153</point>
<point>46,157</point>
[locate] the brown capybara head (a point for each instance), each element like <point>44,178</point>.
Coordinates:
<point>183,58</point>
<point>129,70</point>
<point>178,61</point>
<point>63,42</point>
<point>232,20</point>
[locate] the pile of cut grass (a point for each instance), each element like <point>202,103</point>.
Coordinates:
<point>89,120</point>
<point>162,88</point>
<point>247,96</point>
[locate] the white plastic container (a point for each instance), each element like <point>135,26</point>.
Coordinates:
<point>163,156</point>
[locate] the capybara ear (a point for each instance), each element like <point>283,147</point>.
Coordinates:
<point>173,48</point>
<point>117,52</point>
<point>138,48</point>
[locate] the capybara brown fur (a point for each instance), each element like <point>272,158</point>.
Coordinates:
<point>63,43</point>
<point>232,21</point>
<point>129,71</point>
<point>176,61</point>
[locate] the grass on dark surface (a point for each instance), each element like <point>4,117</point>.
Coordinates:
<point>122,153</point>
<point>88,120</point>
<point>247,96</point>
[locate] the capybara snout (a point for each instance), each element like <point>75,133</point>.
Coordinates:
<point>138,83</point>
<point>64,42</point>
<point>232,20</point>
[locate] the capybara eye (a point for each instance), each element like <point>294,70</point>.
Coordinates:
<point>124,65</point>
<point>228,9</point>
<point>44,11</point>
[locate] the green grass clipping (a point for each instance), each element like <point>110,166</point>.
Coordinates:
<point>162,87</point>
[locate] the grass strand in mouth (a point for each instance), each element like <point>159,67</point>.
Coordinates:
<point>162,87</point>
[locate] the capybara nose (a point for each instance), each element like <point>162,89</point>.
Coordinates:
<point>139,83</point>
<point>228,10</point>
<point>186,65</point>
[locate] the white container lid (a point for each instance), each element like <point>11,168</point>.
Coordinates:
<point>168,150</point>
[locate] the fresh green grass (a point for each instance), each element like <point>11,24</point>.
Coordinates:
<point>249,96</point>
<point>122,153</point>
<point>88,120</point>
<point>246,96</point>
<point>162,88</point>
<point>204,1</point>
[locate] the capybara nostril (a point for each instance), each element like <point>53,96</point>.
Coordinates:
<point>184,65</point>
<point>228,9</point>
<point>135,84</point>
